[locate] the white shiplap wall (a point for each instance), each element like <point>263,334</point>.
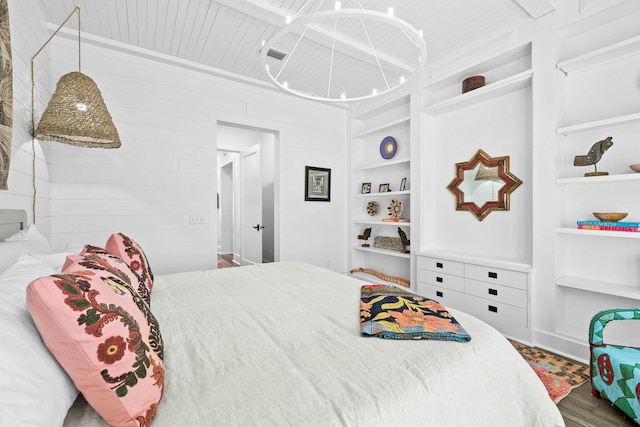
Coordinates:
<point>166,113</point>
<point>28,33</point>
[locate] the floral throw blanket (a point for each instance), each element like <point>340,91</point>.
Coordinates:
<point>390,312</point>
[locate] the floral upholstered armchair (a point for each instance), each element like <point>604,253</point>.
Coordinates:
<point>615,369</point>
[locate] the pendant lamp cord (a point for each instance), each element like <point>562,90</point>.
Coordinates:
<point>33,105</point>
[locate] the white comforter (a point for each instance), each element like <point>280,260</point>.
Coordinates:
<point>279,345</point>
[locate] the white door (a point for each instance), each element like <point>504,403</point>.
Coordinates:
<point>251,206</point>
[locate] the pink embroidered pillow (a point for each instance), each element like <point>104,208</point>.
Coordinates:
<point>130,252</point>
<point>104,335</point>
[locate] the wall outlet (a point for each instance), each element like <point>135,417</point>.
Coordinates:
<point>195,219</point>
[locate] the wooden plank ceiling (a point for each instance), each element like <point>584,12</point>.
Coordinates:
<point>228,34</point>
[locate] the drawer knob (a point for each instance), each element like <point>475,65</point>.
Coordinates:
<point>493,308</point>
<point>439,279</point>
<point>438,265</point>
<point>439,293</point>
<point>493,291</point>
<point>493,275</point>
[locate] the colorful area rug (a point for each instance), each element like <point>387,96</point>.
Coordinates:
<point>558,374</point>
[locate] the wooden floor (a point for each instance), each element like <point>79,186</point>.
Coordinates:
<point>581,409</point>
<point>225,261</point>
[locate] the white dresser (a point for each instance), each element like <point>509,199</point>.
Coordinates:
<point>492,290</point>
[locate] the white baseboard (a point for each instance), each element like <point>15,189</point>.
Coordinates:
<point>562,345</point>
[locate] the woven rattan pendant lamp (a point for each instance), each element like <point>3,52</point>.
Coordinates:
<point>76,113</point>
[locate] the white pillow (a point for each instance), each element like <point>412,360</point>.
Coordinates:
<point>55,260</point>
<point>28,241</point>
<point>34,390</point>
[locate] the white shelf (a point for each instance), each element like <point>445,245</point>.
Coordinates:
<point>380,165</point>
<point>599,233</point>
<point>602,56</point>
<point>388,193</point>
<point>597,286</point>
<point>380,222</point>
<point>371,111</point>
<point>599,124</point>
<point>491,91</point>
<point>384,126</point>
<point>603,178</point>
<point>385,252</point>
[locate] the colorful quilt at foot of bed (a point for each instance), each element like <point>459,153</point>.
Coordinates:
<point>390,312</point>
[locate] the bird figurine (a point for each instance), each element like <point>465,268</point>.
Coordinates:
<point>593,156</point>
<point>405,242</point>
<point>365,236</point>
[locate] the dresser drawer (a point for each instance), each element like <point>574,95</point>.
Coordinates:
<point>446,297</point>
<point>441,265</point>
<point>497,293</point>
<point>497,314</point>
<point>442,280</point>
<point>514,279</point>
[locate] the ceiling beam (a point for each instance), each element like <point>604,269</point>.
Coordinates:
<point>537,8</point>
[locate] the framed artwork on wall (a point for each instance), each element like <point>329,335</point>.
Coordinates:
<point>317,184</point>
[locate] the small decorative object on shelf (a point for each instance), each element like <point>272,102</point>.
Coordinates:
<point>593,156</point>
<point>366,187</point>
<point>405,242</point>
<point>635,168</point>
<point>403,184</point>
<point>389,243</point>
<point>471,83</point>
<point>372,208</point>
<point>386,277</point>
<point>396,220</point>
<point>614,226</point>
<point>384,188</point>
<point>395,208</point>
<point>610,216</point>
<point>609,221</point>
<point>388,147</point>
<point>365,236</point>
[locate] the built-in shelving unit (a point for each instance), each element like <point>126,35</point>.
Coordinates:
<point>456,125</point>
<point>578,274</point>
<point>370,125</point>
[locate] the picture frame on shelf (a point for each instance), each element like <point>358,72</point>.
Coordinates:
<point>317,184</point>
<point>366,187</point>
<point>403,184</point>
<point>384,188</point>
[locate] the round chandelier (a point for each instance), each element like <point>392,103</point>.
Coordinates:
<point>341,54</point>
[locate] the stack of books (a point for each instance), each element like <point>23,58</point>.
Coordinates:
<point>609,226</point>
<point>396,220</point>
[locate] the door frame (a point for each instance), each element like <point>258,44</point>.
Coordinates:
<point>259,127</point>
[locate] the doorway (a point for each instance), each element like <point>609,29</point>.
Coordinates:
<point>246,194</point>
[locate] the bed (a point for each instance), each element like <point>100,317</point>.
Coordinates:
<point>280,344</point>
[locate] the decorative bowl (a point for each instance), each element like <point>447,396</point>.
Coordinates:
<point>610,216</point>
<point>635,168</point>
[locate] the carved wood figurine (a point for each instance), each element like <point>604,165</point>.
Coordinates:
<point>593,156</point>
<point>365,236</point>
<point>405,242</point>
